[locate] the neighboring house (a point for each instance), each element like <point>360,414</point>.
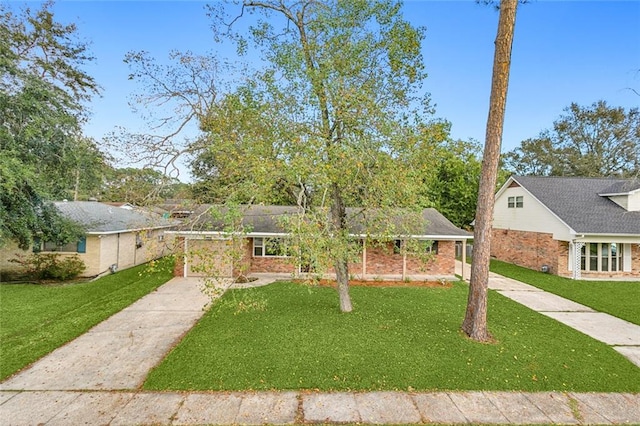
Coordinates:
<point>262,249</point>
<point>569,226</point>
<point>116,237</point>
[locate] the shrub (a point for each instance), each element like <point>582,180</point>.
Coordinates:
<point>42,266</point>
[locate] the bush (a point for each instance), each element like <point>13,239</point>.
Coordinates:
<point>42,266</point>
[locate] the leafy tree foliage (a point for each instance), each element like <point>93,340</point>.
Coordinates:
<point>42,89</point>
<point>453,186</point>
<point>138,186</point>
<point>593,141</point>
<point>330,120</point>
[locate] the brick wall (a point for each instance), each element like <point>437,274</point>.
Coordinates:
<point>276,265</point>
<point>443,263</point>
<point>528,249</point>
<point>381,260</point>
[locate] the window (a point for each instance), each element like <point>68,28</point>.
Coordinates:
<point>601,257</point>
<point>79,246</point>
<point>270,247</point>
<point>517,202</point>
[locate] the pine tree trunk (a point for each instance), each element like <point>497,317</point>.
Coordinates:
<point>475,320</point>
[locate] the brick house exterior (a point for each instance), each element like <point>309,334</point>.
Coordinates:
<point>573,227</point>
<point>376,259</point>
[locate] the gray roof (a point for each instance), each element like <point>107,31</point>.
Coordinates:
<point>260,219</point>
<point>103,218</point>
<point>578,202</point>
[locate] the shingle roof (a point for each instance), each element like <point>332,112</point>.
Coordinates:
<point>259,219</point>
<point>578,203</point>
<point>98,217</point>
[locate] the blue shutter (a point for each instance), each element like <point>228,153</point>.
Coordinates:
<point>37,245</point>
<point>82,245</point>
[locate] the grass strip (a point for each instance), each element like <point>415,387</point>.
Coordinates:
<point>287,336</point>
<point>36,319</point>
<point>618,298</point>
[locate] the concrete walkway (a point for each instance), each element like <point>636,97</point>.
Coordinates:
<point>622,335</point>
<point>96,379</point>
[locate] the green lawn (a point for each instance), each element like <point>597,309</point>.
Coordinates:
<point>288,336</point>
<point>618,298</point>
<point>36,319</point>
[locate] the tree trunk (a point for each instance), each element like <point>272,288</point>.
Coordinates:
<point>76,187</point>
<point>475,320</point>
<point>341,265</point>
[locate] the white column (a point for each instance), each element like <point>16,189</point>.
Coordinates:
<point>364,258</point>
<point>577,258</point>
<point>464,258</point>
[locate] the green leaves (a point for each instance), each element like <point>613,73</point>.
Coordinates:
<point>592,141</point>
<point>42,89</point>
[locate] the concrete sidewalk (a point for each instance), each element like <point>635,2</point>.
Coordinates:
<point>622,335</point>
<point>261,408</point>
<point>96,379</point>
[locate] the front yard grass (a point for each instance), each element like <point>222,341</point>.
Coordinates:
<point>36,319</point>
<point>618,298</point>
<point>289,336</point>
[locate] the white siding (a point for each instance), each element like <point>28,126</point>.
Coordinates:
<point>634,202</point>
<point>629,202</point>
<point>532,217</point>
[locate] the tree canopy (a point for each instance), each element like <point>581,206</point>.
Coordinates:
<point>593,141</point>
<point>42,90</point>
<point>335,116</point>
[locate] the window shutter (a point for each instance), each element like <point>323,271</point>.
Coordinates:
<point>82,245</point>
<point>37,245</point>
<point>626,262</point>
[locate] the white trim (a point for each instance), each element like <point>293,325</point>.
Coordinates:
<point>151,228</point>
<point>282,234</point>
<point>626,261</point>
<point>506,186</point>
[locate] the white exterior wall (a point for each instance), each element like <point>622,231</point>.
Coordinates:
<point>634,202</point>
<point>629,202</point>
<point>532,217</point>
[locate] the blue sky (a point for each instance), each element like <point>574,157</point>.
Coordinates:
<point>564,51</point>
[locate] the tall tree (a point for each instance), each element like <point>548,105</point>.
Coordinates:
<point>349,69</point>
<point>593,141</point>
<point>475,320</point>
<point>139,187</point>
<point>452,187</point>
<point>42,90</point>
<point>331,118</point>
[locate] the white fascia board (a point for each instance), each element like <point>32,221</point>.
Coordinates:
<point>122,231</point>
<point>504,187</point>
<point>421,237</point>
<point>627,238</point>
<point>571,231</point>
<point>614,194</point>
<point>227,234</point>
<point>282,234</point>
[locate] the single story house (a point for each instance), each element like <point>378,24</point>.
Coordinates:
<point>569,226</point>
<point>117,237</point>
<point>261,251</point>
